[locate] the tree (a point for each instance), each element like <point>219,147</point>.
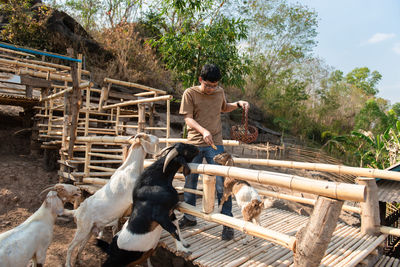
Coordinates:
<point>364,79</point>
<point>25,25</point>
<point>193,33</point>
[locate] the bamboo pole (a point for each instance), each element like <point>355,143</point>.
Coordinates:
<point>98,181</point>
<point>130,84</point>
<point>139,101</point>
<point>313,240</point>
<point>370,220</point>
<point>87,159</point>
<point>341,191</point>
<point>340,169</point>
<point>302,199</point>
<point>16,52</point>
<point>249,228</point>
<point>208,193</point>
<point>26,65</point>
<point>142,118</point>
<point>117,120</point>
<point>87,111</point>
<point>50,76</point>
<point>69,89</point>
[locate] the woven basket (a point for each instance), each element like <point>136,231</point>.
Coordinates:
<point>244,133</point>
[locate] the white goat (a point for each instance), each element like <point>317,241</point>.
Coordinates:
<point>111,201</point>
<point>31,239</point>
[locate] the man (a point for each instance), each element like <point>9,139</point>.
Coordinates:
<point>202,106</point>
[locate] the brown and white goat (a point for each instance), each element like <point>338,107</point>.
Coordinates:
<point>246,196</point>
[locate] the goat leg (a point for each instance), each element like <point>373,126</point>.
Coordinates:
<point>162,217</point>
<point>175,222</point>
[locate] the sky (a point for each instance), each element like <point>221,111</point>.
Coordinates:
<point>361,33</point>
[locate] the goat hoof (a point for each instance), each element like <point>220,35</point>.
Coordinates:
<point>184,254</point>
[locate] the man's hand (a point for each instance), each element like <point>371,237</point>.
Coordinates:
<point>207,137</point>
<point>243,104</point>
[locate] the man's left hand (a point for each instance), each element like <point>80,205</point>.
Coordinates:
<point>244,104</point>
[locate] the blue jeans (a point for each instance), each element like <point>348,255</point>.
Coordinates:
<point>191,180</point>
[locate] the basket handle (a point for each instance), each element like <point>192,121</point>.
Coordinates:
<point>245,119</point>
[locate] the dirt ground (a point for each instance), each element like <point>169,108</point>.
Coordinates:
<point>23,177</point>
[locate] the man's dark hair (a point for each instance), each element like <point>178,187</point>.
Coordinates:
<point>211,73</point>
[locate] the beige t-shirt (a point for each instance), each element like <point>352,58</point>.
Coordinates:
<point>206,111</point>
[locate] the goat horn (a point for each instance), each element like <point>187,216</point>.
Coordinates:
<point>170,156</point>
<point>163,150</point>
<point>46,190</point>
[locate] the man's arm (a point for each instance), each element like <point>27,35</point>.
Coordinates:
<point>235,105</point>
<point>207,137</point>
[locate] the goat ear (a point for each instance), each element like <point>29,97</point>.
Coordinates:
<point>170,156</point>
<point>148,146</point>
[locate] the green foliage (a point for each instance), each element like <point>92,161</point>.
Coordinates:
<point>372,116</point>
<point>193,38</point>
<point>364,79</point>
<point>25,26</point>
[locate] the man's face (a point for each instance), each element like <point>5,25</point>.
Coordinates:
<point>208,87</point>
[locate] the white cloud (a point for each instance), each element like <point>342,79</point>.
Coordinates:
<point>396,48</point>
<point>380,37</point>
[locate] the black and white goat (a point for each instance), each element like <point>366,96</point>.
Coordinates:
<point>31,239</point>
<point>246,196</point>
<point>110,202</point>
<point>154,200</point>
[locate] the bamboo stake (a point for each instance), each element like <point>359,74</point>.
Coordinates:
<point>117,120</point>
<point>87,159</point>
<point>87,111</point>
<point>208,194</point>
<point>258,231</point>
<point>340,169</point>
<point>370,220</point>
<point>341,191</point>
<point>142,117</point>
<point>129,84</point>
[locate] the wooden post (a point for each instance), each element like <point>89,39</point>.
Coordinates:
<point>313,239</point>
<point>75,103</point>
<point>105,91</point>
<point>370,218</point>
<point>87,110</point>
<point>86,169</point>
<point>208,193</point>
<point>142,118</point>
<point>29,91</point>
<point>117,120</point>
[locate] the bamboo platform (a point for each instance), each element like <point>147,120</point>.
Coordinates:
<point>348,246</point>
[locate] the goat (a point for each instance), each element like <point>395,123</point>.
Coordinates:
<point>110,202</point>
<point>31,239</point>
<point>66,192</point>
<point>154,200</point>
<point>246,196</point>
